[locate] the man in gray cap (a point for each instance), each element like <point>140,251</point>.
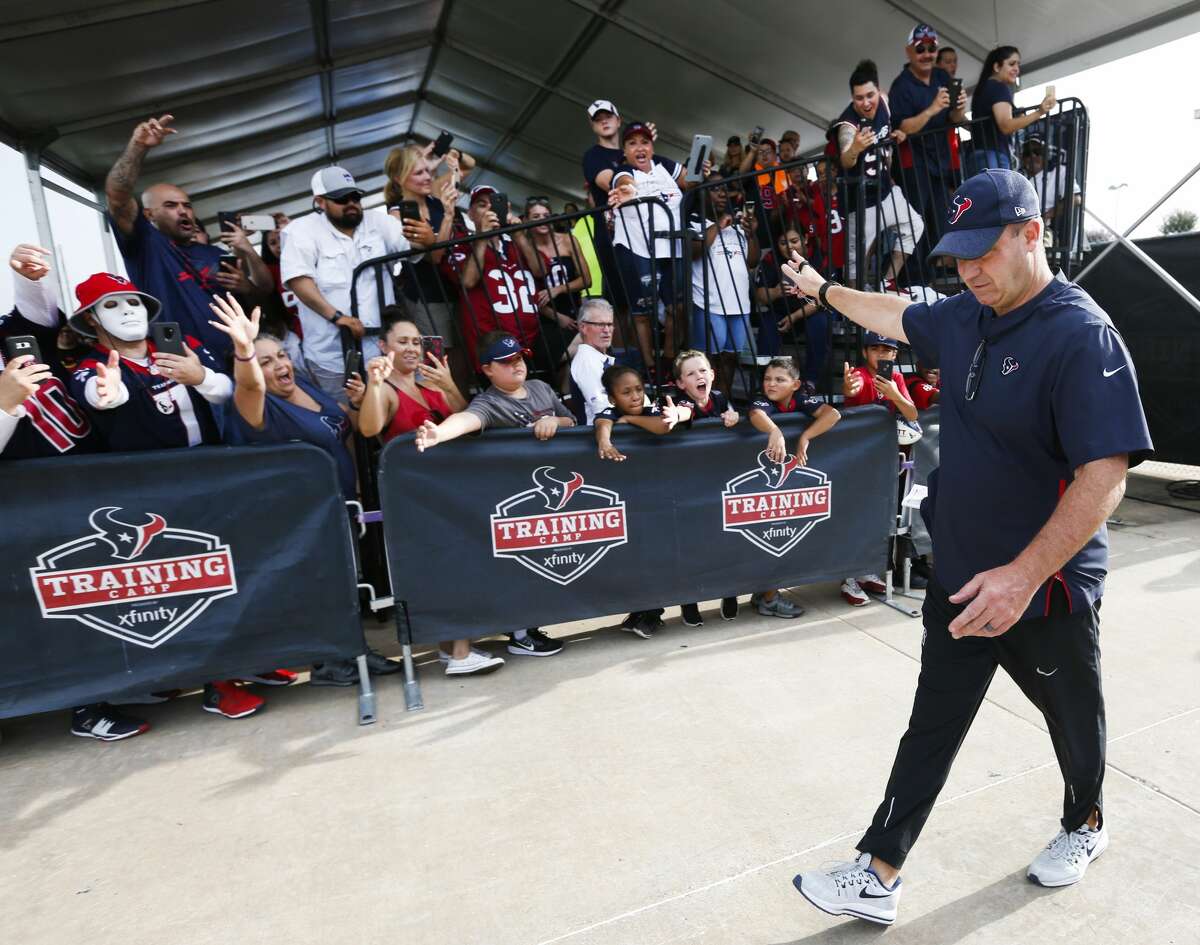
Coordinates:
<point>1040,421</point>
<point>319,254</point>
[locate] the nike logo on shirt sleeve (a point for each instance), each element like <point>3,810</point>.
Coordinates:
<point>1117,371</point>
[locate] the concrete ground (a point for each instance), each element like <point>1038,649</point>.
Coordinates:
<point>627,792</point>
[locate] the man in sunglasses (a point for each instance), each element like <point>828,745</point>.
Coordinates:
<point>920,104</point>
<point>1040,419</point>
<point>318,256</point>
<point>156,233</point>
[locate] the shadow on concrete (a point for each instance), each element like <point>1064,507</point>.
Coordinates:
<point>953,922</point>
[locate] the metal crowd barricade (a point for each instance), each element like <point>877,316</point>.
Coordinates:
<point>797,196</point>
<point>929,166</point>
<point>501,288</point>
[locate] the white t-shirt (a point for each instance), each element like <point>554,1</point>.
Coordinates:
<point>312,246</point>
<point>587,367</point>
<point>632,225</point>
<point>1051,187</point>
<point>728,272</point>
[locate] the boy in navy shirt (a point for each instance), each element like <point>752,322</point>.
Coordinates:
<point>781,394</point>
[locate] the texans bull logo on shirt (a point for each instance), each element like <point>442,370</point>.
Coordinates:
<point>561,528</point>
<point>757,505</point>
<point>133,577</point>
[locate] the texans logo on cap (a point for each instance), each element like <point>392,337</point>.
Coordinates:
<point>961,206</point>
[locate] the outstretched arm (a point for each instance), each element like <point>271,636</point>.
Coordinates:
<point>875,311</point>
<point>121,185</point>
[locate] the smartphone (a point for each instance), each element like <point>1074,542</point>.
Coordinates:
<point>884,369</point>
<point>701,149</point>
<point>225,219</point>
<point>955,91</point>
<point>1050,91</point>
<point>748,209</point>
<point>21,346</point>
<point>227,258</point>
<point>500,207</point>
<point>167,337</point>
<point>756,134</point>
<point>410,210</point>
<point>435,345</point>
<point>257,222</point>
<point>352,362</point>
<point>442,145</point>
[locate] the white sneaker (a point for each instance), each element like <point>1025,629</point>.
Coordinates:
<point>444,657</point>
<point>474,662</point>
<point>854,595</point>
<point>1066,857</point>
<point>851,889</point>
<point>872,584</point>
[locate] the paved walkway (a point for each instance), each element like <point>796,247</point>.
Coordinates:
<point>627,792</point>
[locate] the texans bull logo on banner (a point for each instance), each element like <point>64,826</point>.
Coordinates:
<point>141,583</point>
<point>561,527</point>
<point>775,519</point>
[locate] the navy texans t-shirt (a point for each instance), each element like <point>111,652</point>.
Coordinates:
<point>180,277</point>
<point>1058,390</point>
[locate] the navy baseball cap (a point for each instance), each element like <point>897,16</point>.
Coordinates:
<point>636,128</point>
<point>982,207</point>
<point>502,349</point>
<point>875,338</point>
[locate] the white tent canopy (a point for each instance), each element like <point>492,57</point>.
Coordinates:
<point>264,93</point>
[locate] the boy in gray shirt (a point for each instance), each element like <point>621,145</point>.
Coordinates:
<point>510,402</point>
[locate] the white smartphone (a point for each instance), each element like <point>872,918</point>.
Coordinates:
<point>258,222</point>
<point>701,148</point>
<point>1050,91</point>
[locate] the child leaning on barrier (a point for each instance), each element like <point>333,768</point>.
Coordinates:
<point>699,401</point>
<point>627,393</point>
<point>510,402</point>
<point>781,394</point>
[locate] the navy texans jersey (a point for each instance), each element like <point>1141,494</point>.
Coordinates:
<point>805,405</point>
<point>717,404</point>
<point>150,419</point>
<point>53,423</point>
<point>871,168</point>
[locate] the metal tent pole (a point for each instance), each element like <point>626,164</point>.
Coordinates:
<point>1138,222</point>
<point>1154,267</point>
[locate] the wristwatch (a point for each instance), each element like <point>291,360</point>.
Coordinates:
<point>335,316</point>
<point>823,292</point>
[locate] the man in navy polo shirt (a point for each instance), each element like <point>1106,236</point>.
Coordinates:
<point>1041,414</point>
<point>920,102</point>
<point>156,238</point>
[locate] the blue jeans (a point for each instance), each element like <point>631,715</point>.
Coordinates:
<point>980,160</point>
<point>715,333</point>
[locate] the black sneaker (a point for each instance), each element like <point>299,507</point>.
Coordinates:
<point>691,615</point>
<point>102,722</point>
<point>380,665</point>
<point>729,608</point>
<point>631,621</point>
<point>335,673</point>
<point>535,643</point>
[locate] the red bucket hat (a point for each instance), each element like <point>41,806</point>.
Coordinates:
<point>95,289</point>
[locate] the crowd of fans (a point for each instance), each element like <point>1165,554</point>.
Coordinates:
<point>651,306</point>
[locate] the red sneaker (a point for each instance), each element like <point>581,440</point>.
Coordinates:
<point>228,699</point>
<point>272,677</point>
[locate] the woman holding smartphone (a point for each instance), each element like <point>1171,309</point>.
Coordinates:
<point>412,193</point>
<point>992,121</point>
<point>406,386</point>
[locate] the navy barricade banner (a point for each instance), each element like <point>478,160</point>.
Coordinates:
<point>125,574</point>
<point>505,532</point>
